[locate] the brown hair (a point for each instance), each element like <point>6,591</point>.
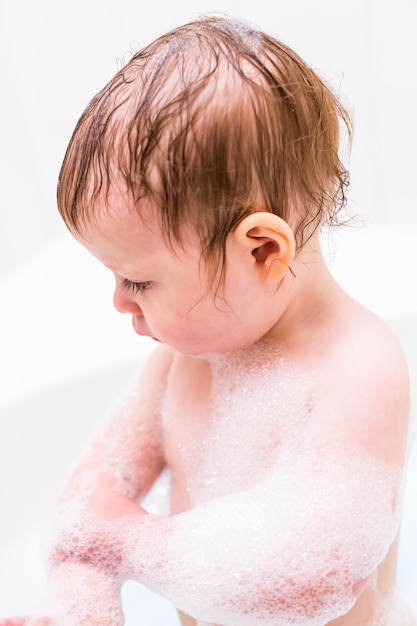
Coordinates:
<point>208,123</point>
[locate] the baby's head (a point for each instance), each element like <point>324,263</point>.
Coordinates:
<point>211,122</point>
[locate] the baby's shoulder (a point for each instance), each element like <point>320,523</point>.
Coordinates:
<point>362,385</point>
<point>360,339</point>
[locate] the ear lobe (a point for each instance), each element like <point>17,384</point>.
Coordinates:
<point>270,242</point>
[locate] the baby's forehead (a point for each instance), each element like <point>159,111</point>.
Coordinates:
<point>117,217</point>
<point>116,207</point>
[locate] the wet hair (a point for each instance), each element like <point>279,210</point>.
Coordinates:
<point>210,122</point>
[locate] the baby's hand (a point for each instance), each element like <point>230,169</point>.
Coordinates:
<point>93,529</point>
<point>109,504</point>
<point>78,595</point>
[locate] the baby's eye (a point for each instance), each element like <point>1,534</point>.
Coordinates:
<point>136,287</point>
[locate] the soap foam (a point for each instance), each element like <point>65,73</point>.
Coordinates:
<point>118,447</point>
<point>81,596</point>
<point>391,609</point>
<point>253,559</point>
<point>122,440</point>
<point>281,530</point>
<point>255,406</point>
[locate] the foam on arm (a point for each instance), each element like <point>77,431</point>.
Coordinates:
<point>292,549</point>
<point>124,460</point>
<point>127,449</point>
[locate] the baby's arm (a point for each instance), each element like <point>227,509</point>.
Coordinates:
<point>298,545</point>
<point>124,459</point>
<point>128,448</point>
<point>79,594</point>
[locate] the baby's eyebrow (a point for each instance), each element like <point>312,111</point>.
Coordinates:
<point>125,275</point>
<point>113,270</point>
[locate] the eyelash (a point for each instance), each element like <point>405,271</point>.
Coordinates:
<point>136,287</point>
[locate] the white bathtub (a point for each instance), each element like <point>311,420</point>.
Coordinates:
<point>65,354</point>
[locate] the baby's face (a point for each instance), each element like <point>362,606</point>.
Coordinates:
<point>168,292</point>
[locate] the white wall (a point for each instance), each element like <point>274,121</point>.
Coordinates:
<point>57,53</point>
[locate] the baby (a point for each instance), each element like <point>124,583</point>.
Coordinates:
<point>201,176</point>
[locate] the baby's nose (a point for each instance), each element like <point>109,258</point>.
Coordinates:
<point>124,304</point>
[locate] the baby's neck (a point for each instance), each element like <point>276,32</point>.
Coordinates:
<point>309,301</point>
<point>264,354</point>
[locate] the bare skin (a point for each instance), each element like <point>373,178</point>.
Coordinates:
<point>326,338</point>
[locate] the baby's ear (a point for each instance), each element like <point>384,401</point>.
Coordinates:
<point>268,242</point>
